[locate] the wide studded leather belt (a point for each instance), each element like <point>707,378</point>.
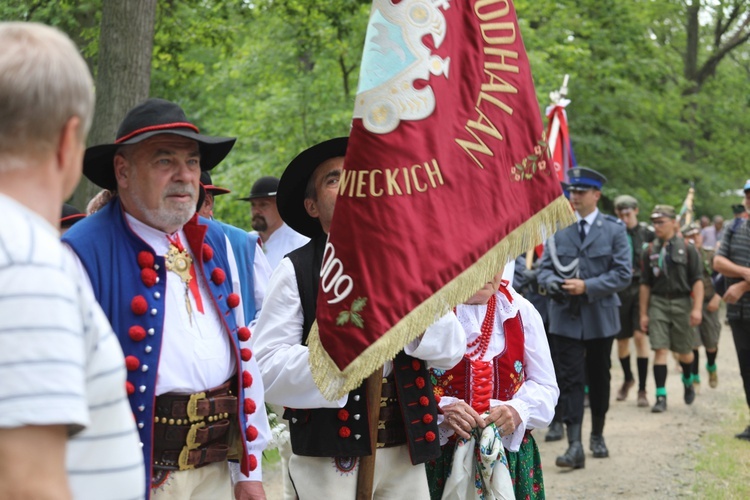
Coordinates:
<point>192,430</point>
<point>391,430</point>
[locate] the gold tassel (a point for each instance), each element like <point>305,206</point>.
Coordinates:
<point>334,383</point>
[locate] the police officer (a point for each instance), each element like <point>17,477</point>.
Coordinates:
<point>670,271</point>
<point>583,268</point>
<point>626,209</point>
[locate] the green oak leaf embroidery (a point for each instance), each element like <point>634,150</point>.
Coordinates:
<point>353,315</point>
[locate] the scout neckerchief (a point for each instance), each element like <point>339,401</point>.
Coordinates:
<point>178,260</point>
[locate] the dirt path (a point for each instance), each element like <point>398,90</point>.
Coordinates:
<point>651,455</point>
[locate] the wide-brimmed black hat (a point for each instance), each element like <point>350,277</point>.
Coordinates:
<point>208,185</point>
<point>290,199</point>
<point>70,215</point>
<point>150,118</point>
<point>265,187</point>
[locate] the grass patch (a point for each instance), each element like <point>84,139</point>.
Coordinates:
<point>723,468</point>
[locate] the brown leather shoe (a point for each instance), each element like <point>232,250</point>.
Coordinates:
<point>642,399</point>
<point>622,394</point>
<point>713,379</point>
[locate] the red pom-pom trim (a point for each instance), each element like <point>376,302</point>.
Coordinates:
<point>251,433</point>
<point>136,333</point>
<point>145,259</point>
<point>345,432</point>
<point>253,462</point>
<point>343,415</point>
<point>218,276</point>
<point>149,276</point>
<point>419,381</point>
<point>250,406</point>
<point>243,334</point>
<point>208,253</point>
<point>423,401</point>
<point>427,419</point>
<point>233,300</point>
<point>247,379</point>
<point>415,364</point>
<point>132,363</point>
<point>138,305</point>
<point>246,354</point>
<point>129,388</point>
<point>437,399</point>
<point>429,436</point>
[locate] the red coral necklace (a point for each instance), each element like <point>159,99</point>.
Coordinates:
<point>482,342</point>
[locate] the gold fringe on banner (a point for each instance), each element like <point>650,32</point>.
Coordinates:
<point>334,383</point>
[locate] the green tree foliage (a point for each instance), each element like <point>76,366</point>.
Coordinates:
<point>660,89</point>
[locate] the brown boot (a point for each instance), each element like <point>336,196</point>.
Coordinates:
<point>622,394</point>
<point>642,399</point>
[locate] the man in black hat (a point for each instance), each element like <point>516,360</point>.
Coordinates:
<point>66,430</point>
<point>169,284</point>
<point>329,437</point>
<point>733,261</point>
<point>583,268</point>
<point>277,237</point>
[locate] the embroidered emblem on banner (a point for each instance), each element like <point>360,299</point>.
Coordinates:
<point>394,57</point>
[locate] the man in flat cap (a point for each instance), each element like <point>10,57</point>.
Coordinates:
<point>168,282</point>
<point>671,272</point>
<point>583,268</point>
<point>277,237</point>
<point>707,333</point>
<point>330,437</point>
<point>66,430</point>
<point>733,261</point>
<point>626,209</point>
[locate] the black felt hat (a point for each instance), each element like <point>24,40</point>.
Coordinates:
<point>150,118</point>
<point>208,185</point>
<point>70,215</point>
<point>290,199</point>
<point>265,187</point>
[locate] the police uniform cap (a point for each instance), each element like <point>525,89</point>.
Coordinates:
<point>690,229</point>
<point>738,209</point>
<point>584,178</point>
<point>663,211</point>
<point>625,201</point>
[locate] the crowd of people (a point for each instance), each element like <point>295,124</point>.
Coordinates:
<point>144,342</point>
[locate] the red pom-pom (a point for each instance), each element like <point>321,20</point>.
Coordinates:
<point>253,462</point>
<point>233,300</point>
<point>345,432</point>
<point>429,436</point>
<point>149,276</point>
<point>419,381</point>
<point>427,419</point>
<point>251,433</point>
<point>138,305</point>
<point>243,334</point>
<point>437,399</point>
<point>136,333</point>
<point>423,401</point>
<point>145,259</point>
<point>249,406</point>
<point>247,379</point>
<point>415,364</point>
<point>218,276</point>
<point>129,388</point>
<point>208,253</point>
<point>246,354</point>
<point>132,363</point>
<point>343,415</point>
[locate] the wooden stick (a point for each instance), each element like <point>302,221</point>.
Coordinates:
<point>367,463</point>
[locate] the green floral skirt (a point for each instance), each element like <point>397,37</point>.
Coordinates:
<point>525,470</point>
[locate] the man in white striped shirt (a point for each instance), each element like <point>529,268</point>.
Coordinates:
<point>66,429</point>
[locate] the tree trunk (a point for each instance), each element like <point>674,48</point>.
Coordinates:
<point>123,76</point>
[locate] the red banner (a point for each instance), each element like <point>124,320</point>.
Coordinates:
<point>559,140</point>
<point>446,178</point>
